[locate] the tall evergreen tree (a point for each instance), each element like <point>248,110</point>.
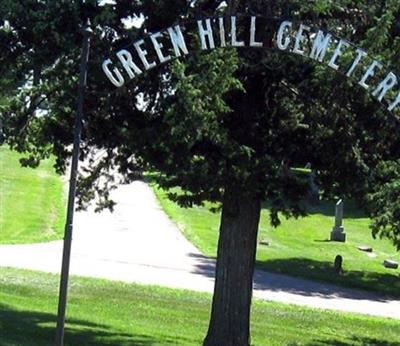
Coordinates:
<point>224,126</point>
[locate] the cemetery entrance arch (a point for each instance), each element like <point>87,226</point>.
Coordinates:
<point>255,32</point>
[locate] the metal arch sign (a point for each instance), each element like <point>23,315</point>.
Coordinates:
<point>255,32</point>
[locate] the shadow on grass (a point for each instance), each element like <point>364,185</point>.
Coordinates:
<point>273,281</point>
<point>355,341</point>
<point>327,208</point>
<point>27,328</point>
<point>383,283</point>
<point>386,286</point>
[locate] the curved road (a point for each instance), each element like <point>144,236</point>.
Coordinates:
<point>138,243</point>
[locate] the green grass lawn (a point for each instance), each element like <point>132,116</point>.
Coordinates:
<point>109,313</point>
<point>31,201</point>
<point>301,247</point>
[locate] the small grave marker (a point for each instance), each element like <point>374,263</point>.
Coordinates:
<point>365,248</point>
<point>390,264</point>
<point>338,264</point>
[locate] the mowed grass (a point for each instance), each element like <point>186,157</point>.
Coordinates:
<point>301,247</point>
<point>111,313</point>
<point>31,201</point>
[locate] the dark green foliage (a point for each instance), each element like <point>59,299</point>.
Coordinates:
<point>384,202</point>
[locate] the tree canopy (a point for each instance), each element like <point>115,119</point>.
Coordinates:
<point>196,134</point>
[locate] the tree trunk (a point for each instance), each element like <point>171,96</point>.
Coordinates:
<point>230,315</point>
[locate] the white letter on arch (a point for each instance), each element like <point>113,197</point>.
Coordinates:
<point>206,33</point>
<point>320,46</point>
<point>283,45</point>
<point>178,41</point>
<point>158,46</point>
<point>388,83</point>
<point>300,39</point>
<point>338,53</point>
<point>126,60</point>
<point>253,42</point>
<point>119,81</point>
<point>370,73</point>
<point>143,55</point>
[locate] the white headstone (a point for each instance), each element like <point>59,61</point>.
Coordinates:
<point>338,233</point>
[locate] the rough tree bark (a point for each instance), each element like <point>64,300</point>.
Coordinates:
<point>230,315</point>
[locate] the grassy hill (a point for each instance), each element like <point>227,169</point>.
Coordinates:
<point>105,313</point>
<point>301,247</point>
<point>31,201</point>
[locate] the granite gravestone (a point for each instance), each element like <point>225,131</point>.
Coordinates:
<point>338,233</point>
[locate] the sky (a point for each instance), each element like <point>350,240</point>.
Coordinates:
<point>129,22</point>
